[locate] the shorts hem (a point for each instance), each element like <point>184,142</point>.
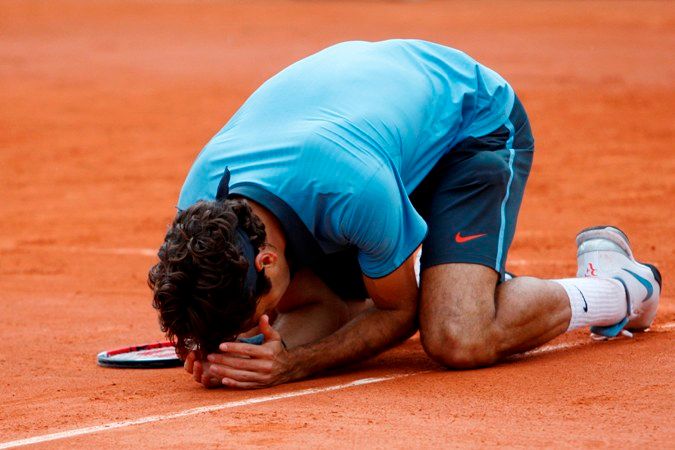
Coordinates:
<point>483,261</point>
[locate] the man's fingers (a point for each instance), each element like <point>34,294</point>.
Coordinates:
<point>267,330</point>
<point>197,371</point>
<point>235,362</point>
<point>202,373</point>
<point>189,362</point>
<point>210,381</point>
<point>253,351</point>
<point>241,384</point>
<point>237,374</point>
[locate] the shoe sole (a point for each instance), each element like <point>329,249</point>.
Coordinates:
<point>616,236</point>
<point>604,227</point>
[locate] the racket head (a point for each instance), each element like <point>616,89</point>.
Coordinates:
<point>146,356</point>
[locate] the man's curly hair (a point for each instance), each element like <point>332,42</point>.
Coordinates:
<point>198,283</point>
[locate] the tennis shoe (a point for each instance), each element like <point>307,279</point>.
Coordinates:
<point>605,252</point>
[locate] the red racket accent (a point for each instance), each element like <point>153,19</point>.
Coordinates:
<point>137,348</point>
<point>147,356</point>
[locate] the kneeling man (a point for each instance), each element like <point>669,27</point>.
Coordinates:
<point>302,218</point>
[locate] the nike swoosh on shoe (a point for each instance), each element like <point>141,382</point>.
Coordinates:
<point>644,282</point>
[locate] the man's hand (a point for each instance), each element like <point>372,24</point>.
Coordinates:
<point>248,366</point>
<point>201,371</point>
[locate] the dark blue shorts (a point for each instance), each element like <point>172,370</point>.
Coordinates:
<point>471,198</point>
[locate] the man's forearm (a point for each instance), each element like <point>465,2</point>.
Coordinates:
<point>368,334</point>
<point>392,319</point>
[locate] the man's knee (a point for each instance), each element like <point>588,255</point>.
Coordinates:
<point>457,315</point>
<point>458,346</point>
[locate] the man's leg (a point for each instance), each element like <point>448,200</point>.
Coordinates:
<point>471,202</point>
<point>466,320</point>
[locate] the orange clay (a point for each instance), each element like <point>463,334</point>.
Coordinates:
<point>105,105</point>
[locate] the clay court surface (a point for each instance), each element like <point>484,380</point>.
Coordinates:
<point>105,105</point>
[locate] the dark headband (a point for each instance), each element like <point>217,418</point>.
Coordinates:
<point>245,244</point>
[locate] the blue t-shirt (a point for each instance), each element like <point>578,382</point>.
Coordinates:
<point>342,137</point>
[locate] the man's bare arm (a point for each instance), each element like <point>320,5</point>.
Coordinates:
<point>391,320</point>
<point>308,311</point>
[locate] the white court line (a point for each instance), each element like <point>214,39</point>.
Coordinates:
<point>665,327</point>
<point>194,411</point>
<point>107,251</point>
<point>139,251</point>
<point>121,251</point>
<point>96,250</point>
<point>268,398</point>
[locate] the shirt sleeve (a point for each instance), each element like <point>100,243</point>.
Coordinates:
<point>383,225</point>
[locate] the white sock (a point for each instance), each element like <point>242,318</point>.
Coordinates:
<point>595,301</point>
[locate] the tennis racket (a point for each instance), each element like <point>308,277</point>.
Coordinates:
<point>152,356</point>
<point>148,356</point>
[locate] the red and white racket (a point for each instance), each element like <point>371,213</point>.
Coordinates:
<point>148,356</point>
<point>152,356</point>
